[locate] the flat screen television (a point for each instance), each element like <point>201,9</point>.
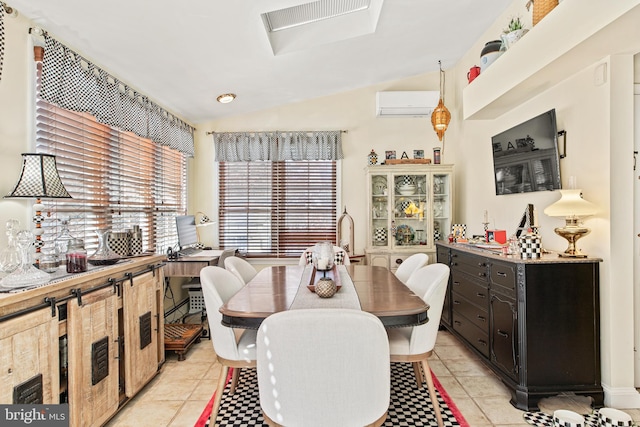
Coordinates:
<point>526,158</point>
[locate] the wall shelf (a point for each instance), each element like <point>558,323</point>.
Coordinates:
<point>573,36</point>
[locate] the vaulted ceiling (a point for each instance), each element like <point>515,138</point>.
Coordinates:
<point>184,54</point>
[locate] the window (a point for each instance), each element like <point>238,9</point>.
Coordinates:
<point>277,208</point>
<point>116,179</point>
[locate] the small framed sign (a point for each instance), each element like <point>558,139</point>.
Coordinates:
<point>418,154</point>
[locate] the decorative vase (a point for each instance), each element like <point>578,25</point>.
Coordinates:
<point>373,158</point>
<point>510,38</point>
<point>326,287</point>
<point>103,255</point>
<point>490,52</point>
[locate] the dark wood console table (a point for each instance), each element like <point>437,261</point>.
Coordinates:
<point>535,323</point>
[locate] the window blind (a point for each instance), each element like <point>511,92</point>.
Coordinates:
<point>116,179</point>
<point>277,209</point>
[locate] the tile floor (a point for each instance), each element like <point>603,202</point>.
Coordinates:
<point>177,396</point>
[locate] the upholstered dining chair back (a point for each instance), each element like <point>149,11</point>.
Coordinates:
<point>429,282</point>
<point>341,257</point>
<point>240,268</point>
<point>410,265</point>
<point>226,253</point>
<point>235,348</point>
<point>323,367</point>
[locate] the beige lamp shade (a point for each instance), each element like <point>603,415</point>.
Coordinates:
<point>571,204</point>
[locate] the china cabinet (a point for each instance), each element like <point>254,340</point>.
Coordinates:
<point>410,207</point>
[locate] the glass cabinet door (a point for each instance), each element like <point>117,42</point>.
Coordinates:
<point>379,210</point>
<point>409,210</point>
<point>441,206</point>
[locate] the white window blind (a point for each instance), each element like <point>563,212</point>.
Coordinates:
<point>116,179</point>
<point>277,209</point>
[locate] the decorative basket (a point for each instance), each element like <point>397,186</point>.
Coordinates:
<point>541,8</point>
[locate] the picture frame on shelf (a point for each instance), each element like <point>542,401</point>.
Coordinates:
<point>418,154</point>
<point>390,154</point>
<point>459,231</point>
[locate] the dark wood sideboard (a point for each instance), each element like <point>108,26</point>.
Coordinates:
<point>535,323</point>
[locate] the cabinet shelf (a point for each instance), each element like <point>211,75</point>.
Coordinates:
<point>576,34</point>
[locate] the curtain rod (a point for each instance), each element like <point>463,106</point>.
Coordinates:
<point>267,131</point>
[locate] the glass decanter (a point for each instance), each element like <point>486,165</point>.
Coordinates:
<point>10,256</point>
<point>26,274</point>
<point>62,242</point>
<point>103,255</point>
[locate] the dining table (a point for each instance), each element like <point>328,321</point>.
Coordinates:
<point>372,289</point>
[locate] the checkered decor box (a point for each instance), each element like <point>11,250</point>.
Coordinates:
<point>530,246</point>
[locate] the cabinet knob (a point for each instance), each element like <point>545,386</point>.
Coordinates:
<point>501,274</point>
<point>482,274</point>
<point>482,264</point>
<point>482,318</point>
<point>399,261</point>
<point>456,302</point>
<point>456,283</point>
<point>482,342</point>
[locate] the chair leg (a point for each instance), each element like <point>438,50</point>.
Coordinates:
<point>432,392</point>
<point>224,372</point>
<point>234,379</point>
<point>417,370</point>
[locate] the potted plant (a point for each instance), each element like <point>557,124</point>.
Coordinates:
<point>514,32</point>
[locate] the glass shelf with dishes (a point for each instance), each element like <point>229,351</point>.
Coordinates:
<point>409,205</point>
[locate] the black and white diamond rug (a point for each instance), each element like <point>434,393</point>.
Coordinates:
<point>410,406</point>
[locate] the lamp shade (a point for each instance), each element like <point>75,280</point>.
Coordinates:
<point>39,178</point>
<point>571,204</point>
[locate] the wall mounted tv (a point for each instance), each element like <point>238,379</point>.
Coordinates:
<point>526,158</point>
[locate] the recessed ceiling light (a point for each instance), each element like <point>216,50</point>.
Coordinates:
<point>226,98</point>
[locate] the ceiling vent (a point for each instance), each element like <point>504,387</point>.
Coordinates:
<point>406,103</point>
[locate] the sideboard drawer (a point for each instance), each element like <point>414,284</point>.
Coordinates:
<point>474,335</point>
<point>504,275</point>
<point>473,265</point>
<point>475,314</point>
<point>474,292</point>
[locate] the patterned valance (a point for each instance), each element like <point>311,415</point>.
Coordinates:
<point>278,146</point>
<point>73,83</point>
<point>1,37</point>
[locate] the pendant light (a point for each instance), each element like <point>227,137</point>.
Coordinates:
<point>441,116</point>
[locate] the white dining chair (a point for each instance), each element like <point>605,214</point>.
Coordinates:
<point>323,367</point>
<point>410,265</point>
<point>415,344</point>
<point>240,268</point>
<point>341,256</point>
<point>235,348</point>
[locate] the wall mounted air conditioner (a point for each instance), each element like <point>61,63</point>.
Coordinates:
<point>406,103</point>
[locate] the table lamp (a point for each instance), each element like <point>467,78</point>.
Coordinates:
<point>39,179</point>
<point>202,220</point>
<point>573,207</point>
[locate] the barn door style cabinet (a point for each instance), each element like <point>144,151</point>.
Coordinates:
<point>91,340</point>
<point>535,323</point>
<point>410,207</point>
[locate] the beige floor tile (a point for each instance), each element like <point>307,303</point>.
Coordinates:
<point>471,412</point>
<point>498,413</point>
<point>466,367</point>
<point>146,414</point>
<point>204,390</point>
<point>189,413</point>
<point>187,370</point>
<point>445,338</point>
<point>484,386</point>
<point>452,387</point>
<point>439,368</point>
<point>453,352</point>
<point>170,389</point>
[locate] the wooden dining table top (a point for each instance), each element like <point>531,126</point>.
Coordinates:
<point>274,289</point>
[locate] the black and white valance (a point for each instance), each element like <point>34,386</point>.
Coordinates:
<point>278,146</point>
<point>73,83</point>
<point>1,37</point>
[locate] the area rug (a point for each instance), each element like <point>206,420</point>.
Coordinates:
<point>409,406</point>
<point>540,419</point>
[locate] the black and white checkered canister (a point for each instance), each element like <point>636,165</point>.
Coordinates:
<point>120,243</point>
<point>530,246</point>
<point>380,236</point>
